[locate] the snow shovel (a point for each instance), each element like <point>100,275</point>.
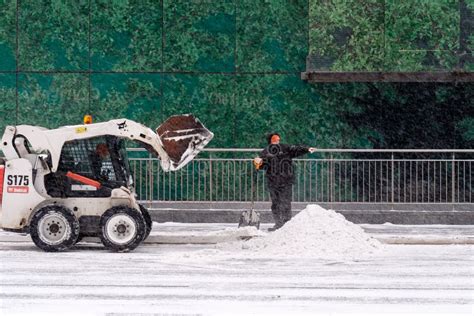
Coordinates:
<point>251,217</point>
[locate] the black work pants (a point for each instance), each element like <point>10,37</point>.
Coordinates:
<point>281,203</point>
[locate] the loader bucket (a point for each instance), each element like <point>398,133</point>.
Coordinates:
<point>183,137</point>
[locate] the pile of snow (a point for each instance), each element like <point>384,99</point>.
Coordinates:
<point>314,232</point>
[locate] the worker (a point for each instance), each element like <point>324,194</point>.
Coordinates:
<point>276,160</point>
<point>100,161</point>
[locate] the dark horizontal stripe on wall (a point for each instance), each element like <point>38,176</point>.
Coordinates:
<point>329,76</point>
<point>149,72</point>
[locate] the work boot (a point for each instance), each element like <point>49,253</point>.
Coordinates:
<point>275,227</point>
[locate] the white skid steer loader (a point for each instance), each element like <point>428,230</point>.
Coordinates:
<point>62,184</point>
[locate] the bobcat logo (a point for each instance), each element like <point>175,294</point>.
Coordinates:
<point>122,125</point>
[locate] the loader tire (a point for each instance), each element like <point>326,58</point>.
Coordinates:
<point>79,238</point>
<point>148,221</point>
<point>54,228</point>
<point>122,228</point>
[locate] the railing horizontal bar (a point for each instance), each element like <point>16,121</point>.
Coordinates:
<point>318,159</point>
<point>335,150</point>
<point>326,202</point>
<point>364,159</point>
<point>222,159</point>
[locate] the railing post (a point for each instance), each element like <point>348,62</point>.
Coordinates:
<point>252,181</point>
<point>150,168</point>
<point>147,179</point>
<point>392,186</point>
<point>210,177</point>
<point>331,183</point>
<point>453,175</point>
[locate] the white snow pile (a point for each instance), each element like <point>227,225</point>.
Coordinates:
<point>314,232</point>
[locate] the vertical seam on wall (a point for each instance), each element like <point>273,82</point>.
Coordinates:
<point>162,36</point>
<point>308,25</point>
<point>308,86</point>
<point>162,75</point>
<point>463,51</point>
<point>17,53</point>
<point>460,32</point>
<point>235,35</point>
<point>461,15</point>
<point>384,30</point>
<point>90,59</point>
<point>235,90</point>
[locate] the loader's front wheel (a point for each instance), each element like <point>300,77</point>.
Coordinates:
<point>54,228</point>
<point>148,221</point>
<point>123,228</point>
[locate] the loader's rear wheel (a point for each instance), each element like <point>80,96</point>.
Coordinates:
<point>123,228</point>
<point>54,228</point>
<point>148,221</point>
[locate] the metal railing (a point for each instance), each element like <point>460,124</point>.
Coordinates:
<point>336,176</point>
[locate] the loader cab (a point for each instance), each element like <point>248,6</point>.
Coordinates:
<point>101,159</point>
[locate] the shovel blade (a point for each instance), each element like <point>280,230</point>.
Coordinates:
<point>249,218</point>
<point>183,137</point>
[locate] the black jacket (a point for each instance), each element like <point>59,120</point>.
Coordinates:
<point>278,163</point>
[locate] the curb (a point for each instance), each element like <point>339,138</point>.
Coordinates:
<point>399,217</point>
<point>425,240</point>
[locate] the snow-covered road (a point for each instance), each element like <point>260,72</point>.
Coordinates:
<point>199,279</point>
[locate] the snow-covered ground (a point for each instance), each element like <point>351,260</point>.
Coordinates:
<point>317,263</point>
<point>200,279</point>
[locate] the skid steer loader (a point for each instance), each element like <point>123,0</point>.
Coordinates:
<point>60,185</point>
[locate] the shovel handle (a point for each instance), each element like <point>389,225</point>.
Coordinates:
<point>254,187</point>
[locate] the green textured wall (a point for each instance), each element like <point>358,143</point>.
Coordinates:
<point>236,64</point>
<point>391,35</point>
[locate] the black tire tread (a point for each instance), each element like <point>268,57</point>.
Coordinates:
<point>72,220</point>
<point>148,221</point>
<point>135,215</point>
